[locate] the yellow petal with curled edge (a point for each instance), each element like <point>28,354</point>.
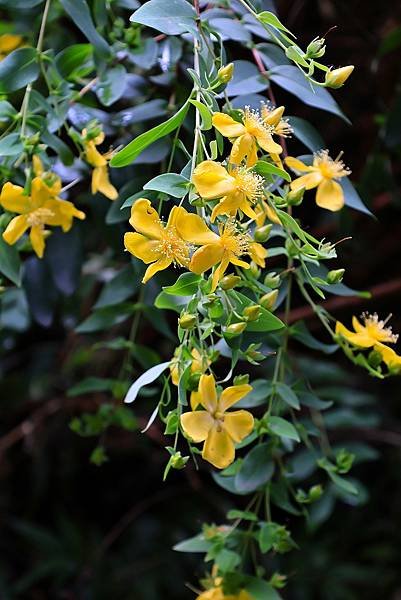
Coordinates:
<point>197,424</point>
<point>359,328</point>
<point>211,180</point>
<point>218,448</point>
<point>12,198</point>
<point>389,356</point>
<point>258,254</point>
<point>37,240</point>
<point>101,183</point>
<point>15,229</point>
<point>141,247</point>
<point>248,210</point>
<point>145,219</point>
<point>195,400</point>
<point>362,340</point>
<point>208,393</point>
<point>308,181</point>
<point>219,272</point>
<point>233,394</point>
<point>297,165</point>
<point>238,424</point>
<point>159,265</point>
<point>205,258</point>
<point>93,156</point>
<point>227,126</point>
<point>193,229</point>
<point>244,147</point>
<point>330,195</point>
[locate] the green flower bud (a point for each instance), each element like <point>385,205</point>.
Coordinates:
<point>315,493</point>
<point>229,282</point>
<point>269,300</point>
<point>225,74</point>
<point>236,329</point>
<point>251,313</point>
<point>335,276</point>
<point>335,79</point>
<point>295,197</point>
<point>316,48</point>
<point>278,581</point>
<point>177,461</point>
<point>262,233</point>
<point>272,280</point>
<point>187,321</point>
<point>255,270</point>
<point>241,379</point>
<point>344,461</point>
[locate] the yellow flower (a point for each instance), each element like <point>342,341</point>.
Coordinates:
<point>8,43</point>
<point>42,207</point>
<point>247,136</point>
<point>100,175</point>
<point>217,428</point>
<point>153,242</point>
<point>321,175</point>
<point>238,188</point>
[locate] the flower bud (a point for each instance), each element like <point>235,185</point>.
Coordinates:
<point>225,74</point>
<point>229,282</point>
<point>236,329</point>
<point>262,233</point>
<point>315,493</point>
<point>316,48</point>
<point>335,276</point>
<point>295,197</point>
<point>255,270</point>
<point>178,461</point>
<point>187,321</point>
<point>269,299</point>
<point>274,116</point>
<point>241,379</point>
<point>251,313</point>
<point>335,79</point>
<point>272,280</point>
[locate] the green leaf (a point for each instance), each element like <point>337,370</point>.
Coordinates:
<point>172,18</point>
<point>11,145</point>
<point>344,484</point>
<point>241,514</point>
<point>205,114</point>
<point>300,332</point>
<point>186,285</point>
<point>247,79</point>
<point>90,385</point>
<point>266,320</point>
<point>306,134</point>
<point>283,428</point>
<point>148,377</point>
<point>128,154</point>
<point>261,590</point>
<point>287,395</point>
<point>267,536</point>
<point>10,264</point>
<point>105,317</point>
<point>18,69</point>
<point>256,470</point>
<point>75,60</point>
<point>169,183</point>
<point>268,18</point>
<point>111,85</point>
<point>169,302</point>
<point>266,169</point>
<point>119,288</point>
<point>197,543</point>
<point>261,390</point>
<point>79,12</point>
<point>227,560</point>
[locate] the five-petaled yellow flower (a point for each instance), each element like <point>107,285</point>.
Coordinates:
<point>100,175</point>
<point>217,428</point>
<point>36,210</point>
<point>321,175</point>
<point>237,187</point>
<point>8,43</point>
<point>373,333</point>
<point>254,132</point>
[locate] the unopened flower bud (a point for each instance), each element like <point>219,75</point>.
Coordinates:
<point>255,270</point>
<point>236,329</point>
<point>316,48</point>
<point>262,233</point>
<point>178,461</point>
<point>295,197</point>
<point>241,379</point>
<point>251,313</point>
<point>335,276</point>
<point>315,493</point>
<point>187,321</point>
<point>335,79</point>
<point>229,282</point>
<point>274,116</point>
<point>225,74</point>
<point>269,300</point>
<point>272,280</point>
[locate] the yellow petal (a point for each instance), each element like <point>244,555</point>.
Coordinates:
<point>330,195</point>
<point>297,165</point>
<point>40,193</point>
<point>236,261</point>
<point>12,198</point>
<point>205,257</point>
<point>9,42</point>
<point>175,373</point>
<point>37,165</point>
<point>244,146</point>
<point>361,340</point>
<point>211,180</point>
<point>266,142</point>
<point>195,400</point>
<point>219,272</point>
<point>141,247</point>
<point>227,126</point>
<point>37,240</point>
<point>145,219</point>
<point>273,117</point>
<point>389,356</point>
<point>208,393</point>
<point>101,183</point>
<point>93,156</point>
<point>238,424</point>
<point>258,254</point>
<point>308,181</point>
<point>193,229</point>
<point>233,394</point>
<point>197,424</point>
<point>15,229</point>
<point>219,448</point>
<point>159,265</point>
<point>247,209</point>
<point>359,328</point>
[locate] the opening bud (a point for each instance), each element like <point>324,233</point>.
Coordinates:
<point>241,379</point>
<point>255,270</point>
<point>295,197</point>
<point>251,313</point>
<point>316,48</point>
<point>269,300</point>
<point>272,280</point>
<point>262,233</point>
<point>225,74</point>
<point>187,321</point>
<point>236,329</point>
<point>335,79</point>
<point>229,282</point>
<point>178,461</point>
<point>335,276</point>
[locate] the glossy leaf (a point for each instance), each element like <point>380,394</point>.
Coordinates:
<point>256,470</point>
<point>169,183</point>
<point>172,18</point>
<point>18,69</point>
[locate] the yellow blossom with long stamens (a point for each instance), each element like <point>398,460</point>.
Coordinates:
<point>8,43</point>
<point>321,175</point>
<point>254,132</point>
<point>100,175</point>
<point>219,429</point>
<point>238,188</point>
<point>36,210</point>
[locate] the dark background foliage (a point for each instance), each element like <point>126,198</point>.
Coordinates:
<point>73,530</point>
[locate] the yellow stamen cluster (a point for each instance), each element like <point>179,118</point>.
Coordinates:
<point>249,183</point>
<point>232,239</point>
<point>377,328</point>
<point>38,217</point>
<point>329,167</point>
<point>173,247</point>
<point>255,123</point>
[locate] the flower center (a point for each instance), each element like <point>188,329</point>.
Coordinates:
<point>254,122</point>
<point>377,329</point>
<point>174,247</point>
<point>233,240</point>
<point>250,184</point>
<point>38,217</point>
<point>329,168</point>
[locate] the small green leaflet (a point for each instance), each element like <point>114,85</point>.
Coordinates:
<point>186,285</point>
<point>169,183</point>
<point>283,428</point>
